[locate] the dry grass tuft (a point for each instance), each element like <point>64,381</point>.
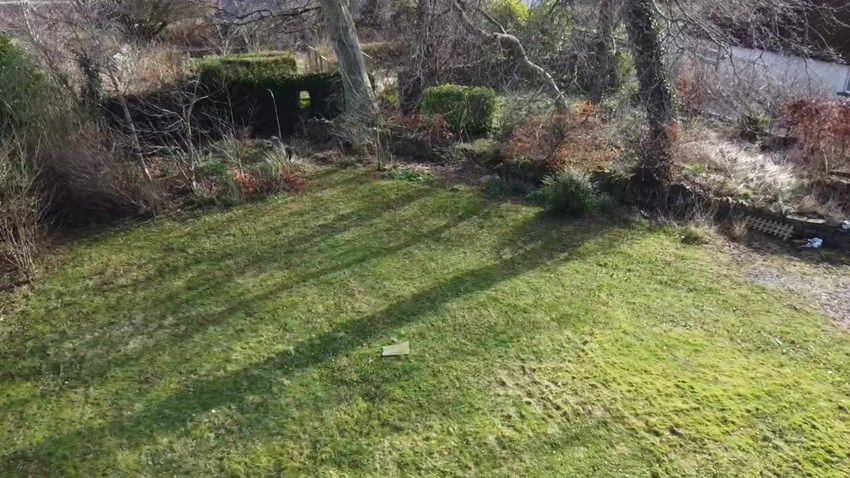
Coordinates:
<point>149,68</point>
<point>733,169</point>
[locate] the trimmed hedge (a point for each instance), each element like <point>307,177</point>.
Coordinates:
<point>325,91</point>
<point>259,65</point>
<point>468,110</point>
<point>247,83</point>
<point>260,92</point>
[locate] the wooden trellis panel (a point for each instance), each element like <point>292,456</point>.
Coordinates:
<point>785,231</point>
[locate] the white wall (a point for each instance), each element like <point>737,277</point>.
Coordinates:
<point>742,79</point>
<point>800,74</point>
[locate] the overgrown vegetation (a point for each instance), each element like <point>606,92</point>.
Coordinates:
<point>56,164</point>
<point>236,171</point>
<point>259,92</point>
<point>754,126</point>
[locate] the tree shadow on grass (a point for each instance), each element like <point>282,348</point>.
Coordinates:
<point>321,180</point>
<point>159,299</point>
<point>542,243</point>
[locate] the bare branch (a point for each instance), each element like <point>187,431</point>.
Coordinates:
<point>263,14</point>
<point>516,51</point>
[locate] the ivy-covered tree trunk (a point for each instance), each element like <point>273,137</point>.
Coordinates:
<point>655,90</point>
<point>359,97</point>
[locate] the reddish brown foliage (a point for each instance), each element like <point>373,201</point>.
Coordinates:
<point>548,144</point>
<point>249,185</point>
<point>691,88</point>
<point>435,128</point>
<point>823,128</point>
<point>252,187</point>
<point>293,181</point>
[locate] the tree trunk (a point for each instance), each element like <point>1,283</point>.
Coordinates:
<point>359,97</point>
<point>606,78</point>
<point>128,120</point>
<point>655,90</point>
<point>420,74</point>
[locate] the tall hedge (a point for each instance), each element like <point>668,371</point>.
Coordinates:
<point>260,92</point>
<point>468,110</point>
<point>264,90</point>
<point>24,90</point>
<point>257,67</point>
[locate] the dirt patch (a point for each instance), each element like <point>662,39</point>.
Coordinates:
<point>821,282</point>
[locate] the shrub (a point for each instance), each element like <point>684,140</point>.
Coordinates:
<point>437,129</point>
<point>260,90</point>
<point>754,126</point>
<point>468,110</point>
<point>544,145</point>
<point>569,193</point>
<point>56,163</point>
<point>242,170</point>
<point>249,185</point>
<point>20,214</point>
<point>822,126</point>
<point>256,92</point>
<point>24,91</point>
<point>511,14</point>
<point>280,171</point>
<point>24,105</point>
<point>89,177</point>
<point>693,88</point>
<point>517,108</point>
<point>413,175</point>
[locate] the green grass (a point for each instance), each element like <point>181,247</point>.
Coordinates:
<point>246,343</point>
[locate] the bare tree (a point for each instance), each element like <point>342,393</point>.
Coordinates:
<point>144,20</point>
<point>513,47</point>
<point>420,74</point>
<point>91,42</point>
<point>359,97</point>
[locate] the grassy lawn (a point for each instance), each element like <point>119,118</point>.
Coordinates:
<point>246,343</point>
